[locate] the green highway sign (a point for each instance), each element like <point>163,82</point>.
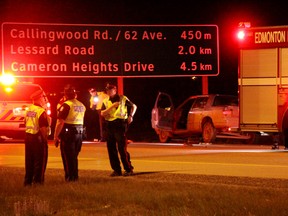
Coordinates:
<point>84,50</point>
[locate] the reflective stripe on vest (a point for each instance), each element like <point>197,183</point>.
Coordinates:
<point>32,119</point>
<point>116,113</point>
<point>76,113</point>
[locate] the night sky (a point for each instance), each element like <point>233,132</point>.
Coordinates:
<point>225,14</point>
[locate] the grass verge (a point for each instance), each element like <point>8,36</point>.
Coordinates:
<point>142,194</point>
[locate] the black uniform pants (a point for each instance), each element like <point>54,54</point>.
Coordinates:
<point>102,126</point>
<point>117,142</point>
<point>70,146</point>
<point>36,156</point>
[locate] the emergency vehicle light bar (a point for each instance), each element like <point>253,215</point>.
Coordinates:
<point>7,79</point>
<point>241,33</point>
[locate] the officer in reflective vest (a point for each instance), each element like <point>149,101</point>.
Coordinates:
<point>93,125</point>
<point>96,101</point>
<point>101,96</point>
<point>36,145</point>
<point>115,112</point>
<point>69,132</point>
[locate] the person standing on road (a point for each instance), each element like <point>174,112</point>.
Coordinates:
<point>36,140</point>
<point>61,101</point>
<point>93,119</point>
<point>69,132</point>
<point>114,110</point>
<point>101,97</point>
<point>96,101</point>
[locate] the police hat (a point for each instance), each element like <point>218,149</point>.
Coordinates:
<point>36,95</point>
<point>69,91</point>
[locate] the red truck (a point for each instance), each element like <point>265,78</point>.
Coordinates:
<point>263,80</point>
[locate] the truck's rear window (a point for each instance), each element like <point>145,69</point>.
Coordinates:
<point>18,93</point>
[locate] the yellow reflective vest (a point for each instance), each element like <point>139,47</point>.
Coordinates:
<point>32,119</point>
<point>76,113</point>
<point>101,97</point>
<point>116,113</point>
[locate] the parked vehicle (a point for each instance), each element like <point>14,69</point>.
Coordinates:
<point>15,100</point>
<point>201,115</point>
<point>263,81</point>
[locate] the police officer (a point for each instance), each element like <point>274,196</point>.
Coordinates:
<point>36,146</point>
<point>101,96</point>
<point>115,112</point>
<point>93,98</point>
<point>69,132</point>
<point>93,119</point>
<point>96,101</point>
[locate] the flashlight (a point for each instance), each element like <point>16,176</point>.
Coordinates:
<point>95,99</point>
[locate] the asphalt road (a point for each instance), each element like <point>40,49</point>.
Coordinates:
<point>214,159</point>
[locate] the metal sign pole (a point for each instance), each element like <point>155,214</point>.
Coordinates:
<point>204,84</point>
<point>120,85</point>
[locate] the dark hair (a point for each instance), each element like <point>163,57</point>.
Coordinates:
<point>110,86</point>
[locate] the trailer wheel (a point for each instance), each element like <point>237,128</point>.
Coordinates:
<point>163,136</point>
<point>208,132</point>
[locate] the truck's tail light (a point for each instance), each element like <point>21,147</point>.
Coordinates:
<point>48,112</point>
<point>48,105</point>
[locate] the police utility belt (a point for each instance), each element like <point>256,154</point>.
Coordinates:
<point>73,129</point>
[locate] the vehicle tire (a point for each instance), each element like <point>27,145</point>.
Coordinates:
<point>208,132</point>
<point>163,136</point>
<point>254,138</point>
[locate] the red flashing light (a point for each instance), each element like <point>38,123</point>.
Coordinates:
<point>241,34</point>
